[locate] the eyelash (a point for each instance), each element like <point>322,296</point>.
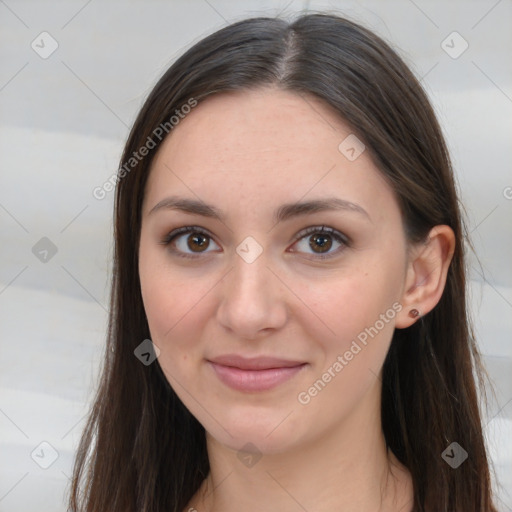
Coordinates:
<point>323,230</point>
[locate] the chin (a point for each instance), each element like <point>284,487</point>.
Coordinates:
<point>254,442</point>
<point>262,432</point>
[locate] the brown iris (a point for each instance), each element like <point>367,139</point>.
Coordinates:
<point>322,241</point>
<point>196,241</point>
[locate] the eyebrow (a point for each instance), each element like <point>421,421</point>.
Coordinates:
<point>283,213</point>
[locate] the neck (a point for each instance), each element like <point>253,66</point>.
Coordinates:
<point>348,466</point>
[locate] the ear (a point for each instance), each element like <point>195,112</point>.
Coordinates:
<point>426,274</point>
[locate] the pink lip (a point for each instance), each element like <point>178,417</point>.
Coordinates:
<point>254,374</point>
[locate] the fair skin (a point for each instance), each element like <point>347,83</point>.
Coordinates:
<point>246,154</point>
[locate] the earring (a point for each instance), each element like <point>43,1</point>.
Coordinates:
<point>414,313</point>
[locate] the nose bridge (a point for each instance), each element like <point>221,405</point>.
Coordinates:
<point>251,298</point>
<point>251,276</point>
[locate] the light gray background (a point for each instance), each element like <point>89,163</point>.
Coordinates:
<point>64,120</point>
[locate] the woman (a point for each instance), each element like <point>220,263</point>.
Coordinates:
<point>288,237</point>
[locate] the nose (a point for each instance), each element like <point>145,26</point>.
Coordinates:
<point>253,299</point>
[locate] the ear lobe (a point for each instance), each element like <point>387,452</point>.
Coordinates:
<point>426,275</point>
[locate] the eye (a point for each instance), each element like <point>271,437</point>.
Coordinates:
<point>321,240</point>
<point>197,241</point>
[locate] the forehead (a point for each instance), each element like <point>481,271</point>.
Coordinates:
<point>267,120</point>
<point>259,146</point>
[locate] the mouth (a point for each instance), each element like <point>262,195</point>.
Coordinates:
<point>254,374</point>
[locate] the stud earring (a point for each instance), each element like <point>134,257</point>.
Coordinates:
<point>414,313</point>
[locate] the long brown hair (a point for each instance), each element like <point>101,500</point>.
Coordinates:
<point>141,449</point>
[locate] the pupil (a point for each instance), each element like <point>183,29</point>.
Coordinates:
<point>198,239</point>
<point>323,241</point>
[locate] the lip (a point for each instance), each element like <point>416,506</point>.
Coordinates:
<point>254,374</point>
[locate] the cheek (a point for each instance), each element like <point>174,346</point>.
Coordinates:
<point>353,301</point>
<point>173,310</point>
<point>359,310</point>
<point>173,318</point>
<point>173,304</point>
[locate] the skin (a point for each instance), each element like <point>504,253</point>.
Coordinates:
<point>247,153</point>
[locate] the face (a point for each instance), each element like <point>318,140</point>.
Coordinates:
<point>273,317</point>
